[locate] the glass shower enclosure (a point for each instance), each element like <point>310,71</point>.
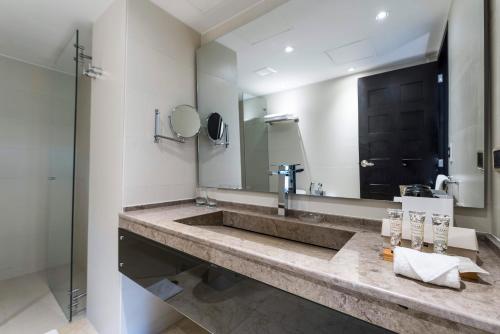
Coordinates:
<point>68,184</point>
<point>44,148</point>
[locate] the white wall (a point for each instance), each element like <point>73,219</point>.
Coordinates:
<point>217,75</point>
<point>148,57</point>
<point>36,141</point>
<point>466,100</point>
<point>106,170</point>
<point>160,74</point>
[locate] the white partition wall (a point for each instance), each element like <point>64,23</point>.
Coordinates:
<point>149,60</point>
<point>106,170</point>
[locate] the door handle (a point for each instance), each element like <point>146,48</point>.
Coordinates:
<point>366,163</point>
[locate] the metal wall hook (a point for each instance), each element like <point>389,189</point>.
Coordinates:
<point>93,72</point>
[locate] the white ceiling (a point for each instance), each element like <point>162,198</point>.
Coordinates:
<point>202,15</point>
<point>41,31</point>
<point>331,36</point>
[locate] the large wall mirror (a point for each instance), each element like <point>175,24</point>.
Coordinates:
<point>366,96</point>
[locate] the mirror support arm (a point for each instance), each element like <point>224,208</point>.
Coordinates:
<point>157,135</point>
<point>226,136</point>
<point>225,143</point>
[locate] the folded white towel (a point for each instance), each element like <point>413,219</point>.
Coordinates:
<point>467,266</point>
<point>427,267</point>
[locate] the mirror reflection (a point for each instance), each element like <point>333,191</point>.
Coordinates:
<point>366,98</point>
<point>215,127</point>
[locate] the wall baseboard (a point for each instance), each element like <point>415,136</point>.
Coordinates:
<point>492,240</point>
<point>157,205</point>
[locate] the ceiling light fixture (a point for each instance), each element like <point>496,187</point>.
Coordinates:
<point>381,16</point>
<point>289,49</point>
<point>351,69</point>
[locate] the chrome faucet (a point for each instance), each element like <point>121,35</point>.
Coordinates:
<point>287,184</point>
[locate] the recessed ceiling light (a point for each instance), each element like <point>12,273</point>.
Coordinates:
<point>351,69</point>
<point>265,71</point>
<point>381,16</point>
<point>289,49</point>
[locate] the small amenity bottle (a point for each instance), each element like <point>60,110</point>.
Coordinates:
<point>396,226</point>
<point>440,228</point>
<point>417,224</point>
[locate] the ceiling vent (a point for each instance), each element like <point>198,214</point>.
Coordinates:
<point>351,52</point>
<point>264,72</point>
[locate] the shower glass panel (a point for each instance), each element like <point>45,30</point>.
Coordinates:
<point>62,124</point>
<point>81,198</point>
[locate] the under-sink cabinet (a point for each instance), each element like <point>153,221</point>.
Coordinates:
<point>222,301</point>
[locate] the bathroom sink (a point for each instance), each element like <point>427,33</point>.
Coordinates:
<point>234,223</point>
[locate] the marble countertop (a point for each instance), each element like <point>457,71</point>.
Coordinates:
<point>356,267</point>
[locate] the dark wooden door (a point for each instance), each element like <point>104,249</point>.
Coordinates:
<point>398,126</point>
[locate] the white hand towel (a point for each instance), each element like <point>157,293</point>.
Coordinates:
<point>467,266</point>
<point>440,182</point>
<point>427,267</point>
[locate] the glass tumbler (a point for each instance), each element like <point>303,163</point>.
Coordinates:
<point>440,227</point>
<point>396,226</point>
<point>417,223</point>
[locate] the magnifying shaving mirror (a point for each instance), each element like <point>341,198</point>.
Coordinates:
<point>184,122</point>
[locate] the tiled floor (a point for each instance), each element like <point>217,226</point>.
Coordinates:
<point>185,326</point>
<point>28,307</point>
<point>81,326</point>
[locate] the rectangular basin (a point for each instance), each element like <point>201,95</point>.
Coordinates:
<point>289,229</point>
